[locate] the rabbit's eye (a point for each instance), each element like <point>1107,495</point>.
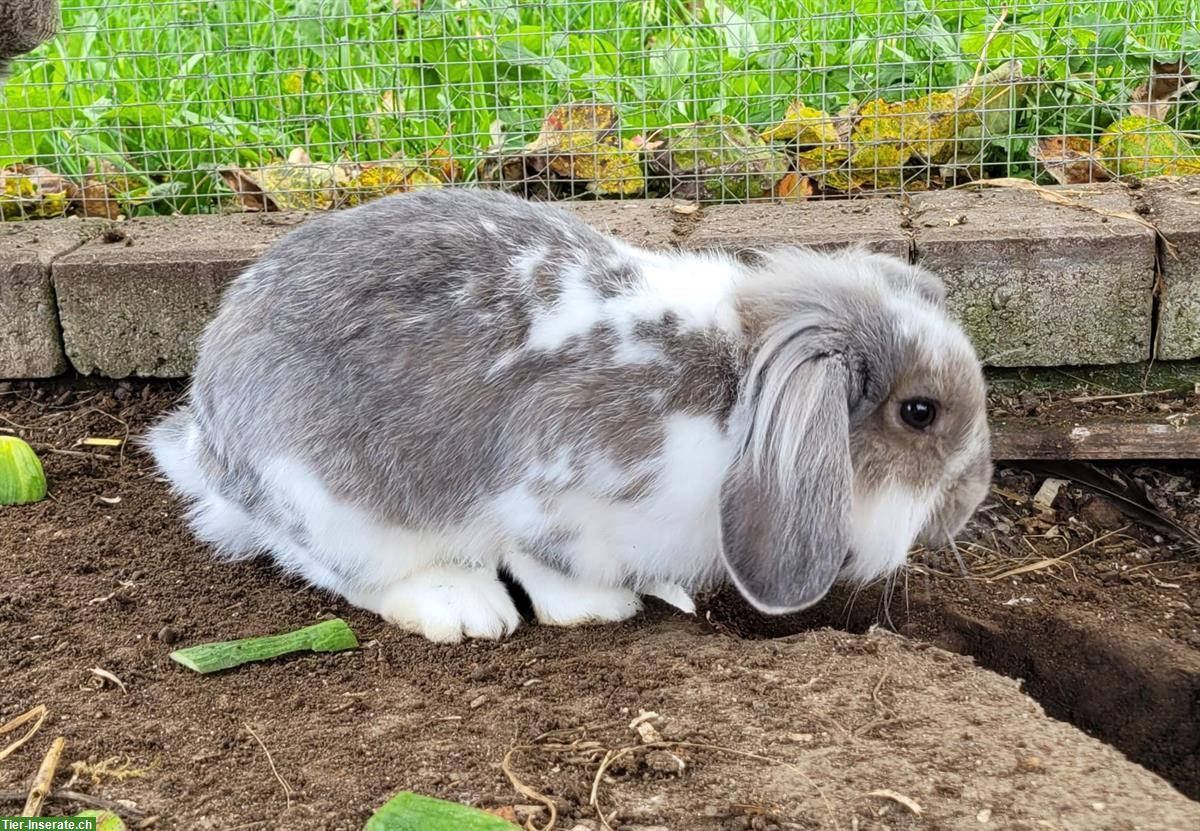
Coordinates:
<point>918,413</point>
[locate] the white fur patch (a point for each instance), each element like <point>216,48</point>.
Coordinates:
<point>886,522</point>
<point>174,444</point>
<point>376,555</point>
<point>672,534</point>
<point>936,336</point>
<point>576,311</point>
<point>697,290</point>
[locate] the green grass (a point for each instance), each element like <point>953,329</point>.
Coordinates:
<point>175,88</point>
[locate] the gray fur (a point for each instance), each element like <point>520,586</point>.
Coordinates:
<point>23,25</point>
<point>379,357</point>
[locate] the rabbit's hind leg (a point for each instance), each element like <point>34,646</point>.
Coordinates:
<point>559,599</point>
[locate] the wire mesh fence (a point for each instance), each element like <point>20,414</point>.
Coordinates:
<point>160,106</point>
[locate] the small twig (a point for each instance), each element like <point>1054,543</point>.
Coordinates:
<point>984,50</point>
<point>1050,561</point>
<point>287,789</point>
<point>8,420</point>
<point>1086,399</point>
<point>527,791</point>
<point>78,454</point>
<point>875,692</point>
<point>61,795</point>
<point>44,781</point>
<point>37,715</point>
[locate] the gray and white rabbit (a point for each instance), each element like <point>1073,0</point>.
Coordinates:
<point>400,400</point>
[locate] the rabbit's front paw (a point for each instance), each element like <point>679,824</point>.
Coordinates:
<point>448,604</point>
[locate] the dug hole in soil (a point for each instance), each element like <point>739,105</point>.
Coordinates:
<point>856,715</point>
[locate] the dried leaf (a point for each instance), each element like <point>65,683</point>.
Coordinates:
<point>395,176</point>
<point>31,192</point>
<point>570,127</point>
<point>297,183</point>
<point>805,125</point>
<point>939,129</point>
<point>579,143</point>
<point>440,161</point>
<point>104,190</point>
<point>1168,82</point>
<point>795,187</point>
<point>1142,147</point>
<point>720,159</point>
<point>116,768</point>
<point>1071,160</point>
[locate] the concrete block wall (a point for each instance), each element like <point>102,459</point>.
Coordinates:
<point>1035,281</point>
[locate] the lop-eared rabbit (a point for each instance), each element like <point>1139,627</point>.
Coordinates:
<point>402,400</point>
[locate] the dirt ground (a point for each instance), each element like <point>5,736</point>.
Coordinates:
<point>1096,607</point>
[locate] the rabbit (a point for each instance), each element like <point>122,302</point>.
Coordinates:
<point>404,401</point>
<point>24,24</point>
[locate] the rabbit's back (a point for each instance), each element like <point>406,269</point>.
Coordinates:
<point>421,353</point>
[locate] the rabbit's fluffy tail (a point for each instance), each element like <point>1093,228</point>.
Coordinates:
<point>174,442</point>
<point>177,447</point>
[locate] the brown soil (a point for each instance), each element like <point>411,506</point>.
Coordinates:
<point>103,575</point>
<point>1096,608</point>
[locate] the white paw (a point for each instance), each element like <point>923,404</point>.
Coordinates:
<point>573,604</point>
<point>674,594</point>
<point>448,604</point>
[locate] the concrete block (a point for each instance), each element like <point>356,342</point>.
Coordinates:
<point>1175,209</point>
<point>135,301</point>
<point>1038,283</point>
<point>649,223</point>
<point>30,338</point>
<point>875,223</point>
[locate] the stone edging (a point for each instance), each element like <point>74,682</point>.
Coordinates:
<point>1037,283</point>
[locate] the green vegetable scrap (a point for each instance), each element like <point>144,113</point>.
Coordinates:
<point>105,820</point>
<point>327,636</point>
<point>407,811</point>
<point>22,479</point>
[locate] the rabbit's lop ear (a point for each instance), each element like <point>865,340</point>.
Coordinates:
<point>787,499</point>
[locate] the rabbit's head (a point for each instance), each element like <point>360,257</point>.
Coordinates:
<point>861,425</point>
